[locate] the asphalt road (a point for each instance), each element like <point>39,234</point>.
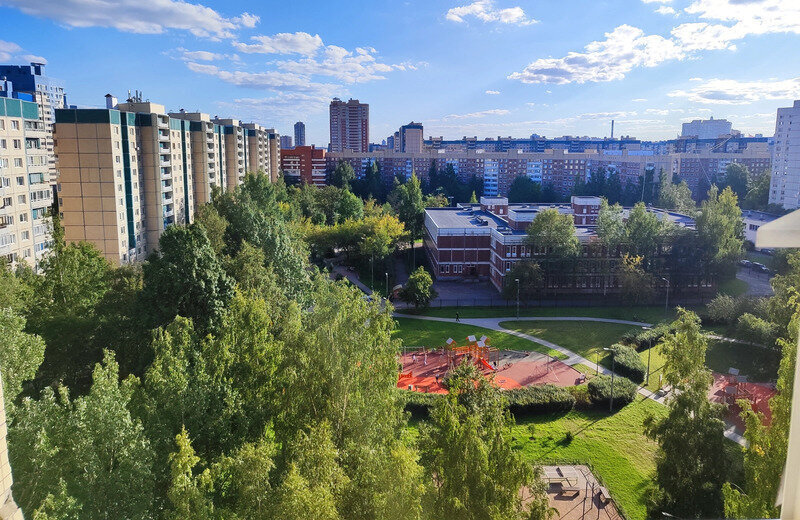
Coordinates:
<point>758,283</point>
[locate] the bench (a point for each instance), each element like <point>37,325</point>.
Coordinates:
<point>570,489</point>
<point>605,497</point>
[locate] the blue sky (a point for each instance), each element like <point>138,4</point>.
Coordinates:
<point>461,67</point>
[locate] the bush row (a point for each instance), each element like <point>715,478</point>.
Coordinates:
<point>543,399</point>
<point>644,339</point>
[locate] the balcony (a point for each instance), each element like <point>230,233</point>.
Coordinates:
<point>162,123</point>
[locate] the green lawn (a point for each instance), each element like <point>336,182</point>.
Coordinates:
<point>433,334</point>
<point>733,287</point>
<point>650,314</point>
<point>613,445</point>
<point>586,338</point>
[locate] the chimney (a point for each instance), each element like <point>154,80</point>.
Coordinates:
<point>111,101</point>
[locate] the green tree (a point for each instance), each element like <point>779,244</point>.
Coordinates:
<point>342,175</point>
<point>757,196</point>
<point>691,462</point>
<point>249,271</point>
<point>530,277</point>
<point>467,455</point>
<point>349,206</point>
<point>637,285</point>
<point>215,225</point>
<point>184,277</point>
<point>20,355</point>
<point>643,231</point>
<point>736,177</point>
<point>553,232</point>
<point>610,226</point>
<point>677,197</point>
<point>409,207</point>
<point>473,199</point>
<point>523,189</point>
<point>418,290</point>
<point>91,443</point>
<point>721,230</point>
<point>185,495</point>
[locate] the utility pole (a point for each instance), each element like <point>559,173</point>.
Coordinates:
<point>649,349</point>
<point>517,280</point>
<point>613,367</point>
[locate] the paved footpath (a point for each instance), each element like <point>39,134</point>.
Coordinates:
<point>572,357</point>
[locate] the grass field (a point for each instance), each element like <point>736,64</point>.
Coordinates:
<point>586,338</point>
<point>650,314</point>
<point>733,287</point>
<point>433,334</point>
<point>613,445</point>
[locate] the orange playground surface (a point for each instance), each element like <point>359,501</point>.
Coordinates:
<point>727,389</point>
<point>424,372</point>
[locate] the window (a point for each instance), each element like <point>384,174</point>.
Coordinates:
<point>23,217</point>
<point>17,144</point>
<point>20,199</point>
<point>26,235</point>
<point>18,162</point>
<point>15,125</point>
<point>20,181</point>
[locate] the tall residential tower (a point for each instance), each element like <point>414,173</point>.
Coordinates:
<point>299,133</point>
<point>349,124</point>
<point>784,186</point>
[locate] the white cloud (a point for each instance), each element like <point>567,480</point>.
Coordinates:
<point>265,80</point>
<point>657,1</point>
<point>7,49</point>
<point>485,11</point>
<point>482,113</point>
<point>733,92</point>
<point>33,58</point>
<point>283,105</point>
<point>337,62</point>
<point>493,92</point>
<point>638,100</point>
<point>624,48</point>
<point>136,16</point>
<point>665,10</point>
<point>606,115</point>
<point>282,43</point>
<point>658,111</point>
<point>202,56</point>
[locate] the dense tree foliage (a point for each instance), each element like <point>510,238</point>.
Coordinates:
<point>553,232</point>
<point>721,230</point>
<point>342,175</point>
<point>418,289</point>
<point>523,189</point>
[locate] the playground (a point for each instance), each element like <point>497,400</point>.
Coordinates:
<point>424,370</point>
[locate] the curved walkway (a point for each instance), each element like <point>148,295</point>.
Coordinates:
<point>572,357</point>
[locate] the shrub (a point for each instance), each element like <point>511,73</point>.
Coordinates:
<point>628,363</point>
<point>533,400</point>
<point>581,395</point>
<point>644,339</point>
<point>756,330</point>
<point>419,404</point>
<point>600,391</point>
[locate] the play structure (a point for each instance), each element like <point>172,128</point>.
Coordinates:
<point>424,370</point>
<point>477,350</point>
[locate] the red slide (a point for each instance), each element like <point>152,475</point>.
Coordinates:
<point>486,364</point>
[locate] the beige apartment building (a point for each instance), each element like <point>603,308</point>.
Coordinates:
<point>26,194</point>
<point>235,151</point>
<point>257,147</point>
<point>207,157</point>
<point>101,183</point>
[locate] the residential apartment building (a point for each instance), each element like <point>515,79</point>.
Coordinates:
<point>46,92</point>
<point>274,154</point>
<point>209,170</point>
<point>286,142</point>
<point>305,164</point>
<point>485,240</point>
<point>236,161</point>
<point>101,185</point>
<point>258,147</point>
<point>707,128</point>
<point>349,125</point>
<point>785,183</point>
<point>299,134</point>
<point>26,193</point>
<point>410,138</point>
<point>558,168</point>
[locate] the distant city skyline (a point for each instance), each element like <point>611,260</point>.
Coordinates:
<point>482,68</point>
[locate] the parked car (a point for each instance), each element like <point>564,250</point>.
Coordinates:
<point>757,266</point>
<point>745,263</point>
<point>764,269</point>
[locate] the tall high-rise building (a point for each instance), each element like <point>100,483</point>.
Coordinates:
<point>349,124</point>
<point>236,161</point>
<point>207,155</point>
<point>299,133</point>
<point>784,186</point>
<point>258,149</point>
<point>47,92</point>
<point>707,128</point>
<point>274,154</point>
<point>26,195</point>
<point>286,142</point>
<point>411,138</point>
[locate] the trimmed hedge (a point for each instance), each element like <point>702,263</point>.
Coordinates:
<point>533,400</point>
<point>600,391</point>
<point>644,339</point>
<point>628,363</point>
<point>530,400</point>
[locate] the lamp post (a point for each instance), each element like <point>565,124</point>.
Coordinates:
<point>613,366</point>
<point>649,348</point>
<point>372,272</point>
<point>387,284</point>
<point>517,280</point>
<point>666,300</point>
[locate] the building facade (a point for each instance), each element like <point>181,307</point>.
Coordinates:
<point>486,240</point>
<point>8,508</point>
<point>785,183</point>
<point>349,125</point>
<point>209,170</point>
<point>26,193</point>
<point>299,133</point>
<point>706,128</point>
<point>286,142</point>
<point>305,164</point>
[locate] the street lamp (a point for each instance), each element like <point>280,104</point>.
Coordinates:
<point>666,301</point>
<point>650,347</point>
<point>387,284</point>
<point>613,366</point>
<point>517,280</point>
<point>372,271</point>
